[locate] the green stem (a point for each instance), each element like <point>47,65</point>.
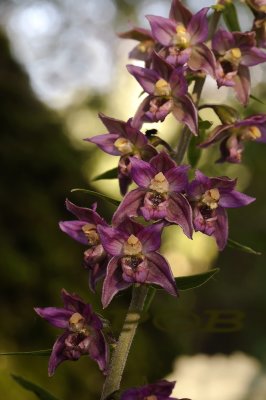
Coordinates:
<point>120,355</point>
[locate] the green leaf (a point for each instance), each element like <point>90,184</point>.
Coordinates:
<point>227,114</point>
<point>193,281</point>
<point>230,18</point>
<point>235,245</point>
<point>204,125</point>
<point>149,298</point>
<point>41,393</point>
<point>256,99</point>
<point>97,194</point>
<point>194,152</point>
<point>28,353</point>
<point>111,174</point>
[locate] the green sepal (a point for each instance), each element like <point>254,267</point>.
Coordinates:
<point>110,174</point>
<point>41,393</point>
<point>97,194</point>
<point>235,245</point>
<point>28,353</point>
<point>193,281</point>
<point>230,18</point>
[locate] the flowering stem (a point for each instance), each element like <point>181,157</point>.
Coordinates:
<point>119,358</point>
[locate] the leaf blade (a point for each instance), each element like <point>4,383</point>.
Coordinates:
<point>110,174</point>
<point>41,393</point>
<point>97,194</point>
<point>194,281</point>
<point>230,18</point>
<point>241,247</point>
<point>27,353</point>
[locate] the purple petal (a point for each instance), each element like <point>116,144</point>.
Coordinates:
<point>74,303</point>
<point>113,282</point>
<point>135,136</point>
<point>145,77</point>
<point>139,117</point>
<point>223,41</point>
<point>180,13</point>
<point>179,212</point>
<point>57,356</point>
<point>85,214</point>
<point>142,172</point>
<point>96,273</point>
<point>198,27</point>
<point>74,230</point>
<point>242,84</point>
<point>162,162</point>
<point>139,34</point>
<point>150,237</point>
<point>202,59</point>
<point>106,143</point>
<point>185,111</point>
<point>130,227</point>
<point>160,273</point>
<point>112,240</point>
<point>129,206</point>
<point>177,178</point>
<point>99,352</point>
<point>163,29</point>
<point>58,317</point>
<point>221,228</point>
<point>178,82</point>
<point>163,68</point>
<point>114,126</point>
<point>235,199</point>
<point>252,56</point>
<point>219,133</point>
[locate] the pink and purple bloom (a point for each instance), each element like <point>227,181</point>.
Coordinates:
<point>236,52</point>
<point>182,36</point>
<point>83,332</point>
<point>209,198</point>
<point>167,92</point>
<point>234,136</point>
<point>160,195</point>
<point>135,259</point>
<point>85,231</point>
<point>123,140</point>
<point>160,390</point>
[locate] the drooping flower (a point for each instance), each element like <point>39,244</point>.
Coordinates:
<point>182,36</point>
<point>160,390</point>
<point>236,52</point>
<point>83,332</point>
<point>160,194</point>
<point>123,140</point>
<point>234,136</point>
<point>134,258</point>
<point>167,92</point>
<point>85,231</point>
<point>209,198</point>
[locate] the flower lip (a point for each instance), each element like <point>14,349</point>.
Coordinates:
<point>211,198</point>
<point>181,38</point>
<point>91,234</point>
<point>132,246</point>
<point>162,88</point>
<point>124,145</point>
<point>159,183</point>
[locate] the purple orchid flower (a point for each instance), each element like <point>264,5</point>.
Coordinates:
<point>233,136</point>
<point>209,198</point>
<point>134,258</point>
<point>160,195</point>
<point>257,5</point>
<point>83,332</point>
<point>182,36</point>
<point>235,52</point>
<point>85,231</point>
<point>167,92</point>
<point>123,140</point>
<point>160,390</point>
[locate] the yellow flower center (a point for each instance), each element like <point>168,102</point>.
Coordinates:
<point>124,145</point>
<point>132,246</point>
<point>211,198</point>
<point>145,46</point>
<point>252,133</point>
<point>91,234</point>
<point>181,38</point>
<point>162,88</point>
<point>77,324</point>
<point>159,183</point>
<point>233,56</point>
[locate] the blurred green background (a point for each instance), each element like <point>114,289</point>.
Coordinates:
<point>61,64</point>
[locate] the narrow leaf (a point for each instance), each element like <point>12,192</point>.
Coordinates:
<point>28,353</point>
<point>193,281</point>
<point>149,298</point>
<point>230,18</point>
<point>111,174</point>
<point>194,152</point>
<point>227,114</point>
<point>41,393</point>
<point>100,195</point>
<point>241,247</point>
<point>256,99</point>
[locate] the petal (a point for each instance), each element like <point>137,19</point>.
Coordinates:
<point>180,13</point>
<point>219,133</point>
<point>113,125</point>
<point>177,178</point>
<point>235,199</point>
<point>179,212</point>
<point>106,143</point>
<point>112,240</point>
<point>242,84</point>
<point>139,34</point>
<point>145,77</point>
<point>139,116</point>
<point>85,214</point>
<point>150,237</point>
<point>184,111</point>
<point>74,230</point>
<point>223,41</point>
<point>99,352</point>
<point>198,27</point>
<point>58,317</point>
<point>113,282</point>
<point>162,162</point>
<point>96,273</point>
<point>221,228</point>
<point>162,67</point>
<point>160,273</point>
<point>128,226</point>
<point>74,303</point>
<point>129,206</point>
<point>142,172</point>
<point>178,82</point>
<point>57,356</point>
<point>202,59</point>
<point>163,29</point>
<point>135,136</point>
<point>252,56</point>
